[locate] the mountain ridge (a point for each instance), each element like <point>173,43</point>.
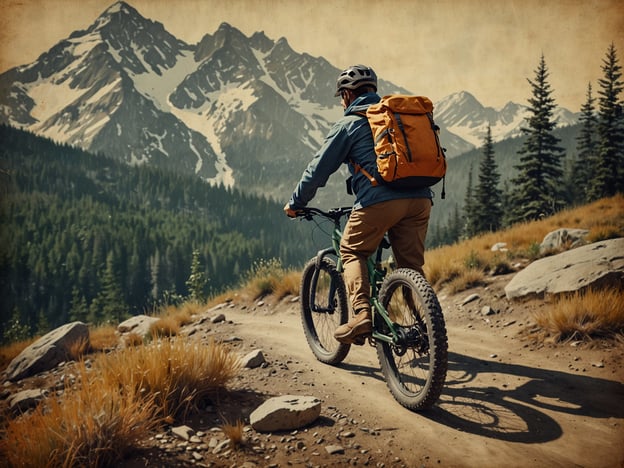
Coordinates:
<point>231,109</point>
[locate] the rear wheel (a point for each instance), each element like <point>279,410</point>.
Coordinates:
<point>324,308</point>
<point>415,366</point>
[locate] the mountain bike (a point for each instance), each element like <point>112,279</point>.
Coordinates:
<point>409,332</point>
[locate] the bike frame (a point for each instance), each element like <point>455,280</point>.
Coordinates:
<point>376,275</point>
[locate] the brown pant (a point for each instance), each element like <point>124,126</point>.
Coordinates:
<point>406,222</point>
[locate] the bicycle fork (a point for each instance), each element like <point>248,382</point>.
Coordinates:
<point>331,306</point>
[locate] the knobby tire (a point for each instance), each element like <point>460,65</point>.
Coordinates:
<point>319,327</point>
<point>415,371</point>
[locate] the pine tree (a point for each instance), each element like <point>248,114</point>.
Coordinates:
<point>584,167</point>
<point>607,179</point>
<point>538,184</point>
<point>487,217</point>
<point>113,306</point>
<point>197,281</point>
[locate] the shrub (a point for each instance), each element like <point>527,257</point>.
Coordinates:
<point>263,277</point>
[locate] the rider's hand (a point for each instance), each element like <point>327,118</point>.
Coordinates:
<point>289,211</point>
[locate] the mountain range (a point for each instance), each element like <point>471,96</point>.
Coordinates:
<point>245,112</point>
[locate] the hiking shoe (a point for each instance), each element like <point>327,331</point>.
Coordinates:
<point>355,329</point>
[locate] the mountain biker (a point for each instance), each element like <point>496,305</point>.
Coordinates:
<point>404,214</point>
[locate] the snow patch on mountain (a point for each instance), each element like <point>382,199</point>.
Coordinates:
<point>51,97</point>
<point>158,86</point>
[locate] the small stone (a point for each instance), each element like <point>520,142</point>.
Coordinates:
<point>334,449</point>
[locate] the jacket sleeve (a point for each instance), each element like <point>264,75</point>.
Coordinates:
<point>326,161</point>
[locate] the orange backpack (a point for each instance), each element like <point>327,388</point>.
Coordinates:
<point>409,154</point>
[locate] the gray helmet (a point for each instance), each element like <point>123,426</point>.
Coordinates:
<point>354,77</point>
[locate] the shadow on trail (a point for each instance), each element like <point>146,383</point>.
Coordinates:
<point>513,409</point>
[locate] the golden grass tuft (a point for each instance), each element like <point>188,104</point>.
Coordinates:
<point>77,349</point>
<point>592,313</point>
<point>269,277</point>
<point>235,433</point>
<point>183,314</point>
<point>103,337</point>
<point>289,285</point>
<point>166,326</point>
<point>180,373</point>
<point>95,425</point>
<point>133,339</point>
<point>467,279</point>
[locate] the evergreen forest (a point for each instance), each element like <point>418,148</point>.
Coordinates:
<point>84,237</point>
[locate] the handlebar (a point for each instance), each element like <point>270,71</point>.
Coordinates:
<point>334,214</point>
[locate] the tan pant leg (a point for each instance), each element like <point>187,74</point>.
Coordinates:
<point>363,233</point>
<point>407,237</point>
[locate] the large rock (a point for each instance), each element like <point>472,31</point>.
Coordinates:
<point>139,324</point>
<point>563,238</point>
<point>594,265</point>
<point>48,351</point>
<point>285,413</point>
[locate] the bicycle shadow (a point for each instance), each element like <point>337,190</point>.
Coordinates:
<point>512,408</point>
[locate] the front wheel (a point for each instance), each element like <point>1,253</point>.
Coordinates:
<point>324,308</point>
<point>415,365</point>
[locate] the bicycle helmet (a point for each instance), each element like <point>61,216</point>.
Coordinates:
<point>354,77</point>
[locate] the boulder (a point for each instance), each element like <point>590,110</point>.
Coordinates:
<point>48,351</point>
<point>563,239</point>
<point>596,265</point>
<point>285,413</point>
<point>139,324</point>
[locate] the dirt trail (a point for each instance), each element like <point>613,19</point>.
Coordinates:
<point>506,402</point>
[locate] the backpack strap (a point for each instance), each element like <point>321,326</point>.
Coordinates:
<point>359,168</point>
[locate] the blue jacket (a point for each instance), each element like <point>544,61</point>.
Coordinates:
<point>350,139</point>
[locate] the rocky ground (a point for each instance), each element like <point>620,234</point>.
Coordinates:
<point>508,400</point>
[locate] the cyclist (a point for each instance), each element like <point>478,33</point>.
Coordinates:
<point>404,214</point>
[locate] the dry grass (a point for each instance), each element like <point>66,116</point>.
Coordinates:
<point>235,433</point>
<point>604,219</point>
<point>12,350</point>
<point>117,402</point>
<point>269,277</point>
<point>133,339</point>
<point>183,314</point>
<point>180,373</point>
<point>103,337</point>
<point>467,279</point>
<point>94,425</point>
<point>289,285</point>
<point>77,349</point>
<point>584,315</point>
<point>166,326</point>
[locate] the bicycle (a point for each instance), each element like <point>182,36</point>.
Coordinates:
<point>409,332</point>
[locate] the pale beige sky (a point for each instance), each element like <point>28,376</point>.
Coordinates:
<point>431,47</point>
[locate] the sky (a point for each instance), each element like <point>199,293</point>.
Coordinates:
<point>489,48</point>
